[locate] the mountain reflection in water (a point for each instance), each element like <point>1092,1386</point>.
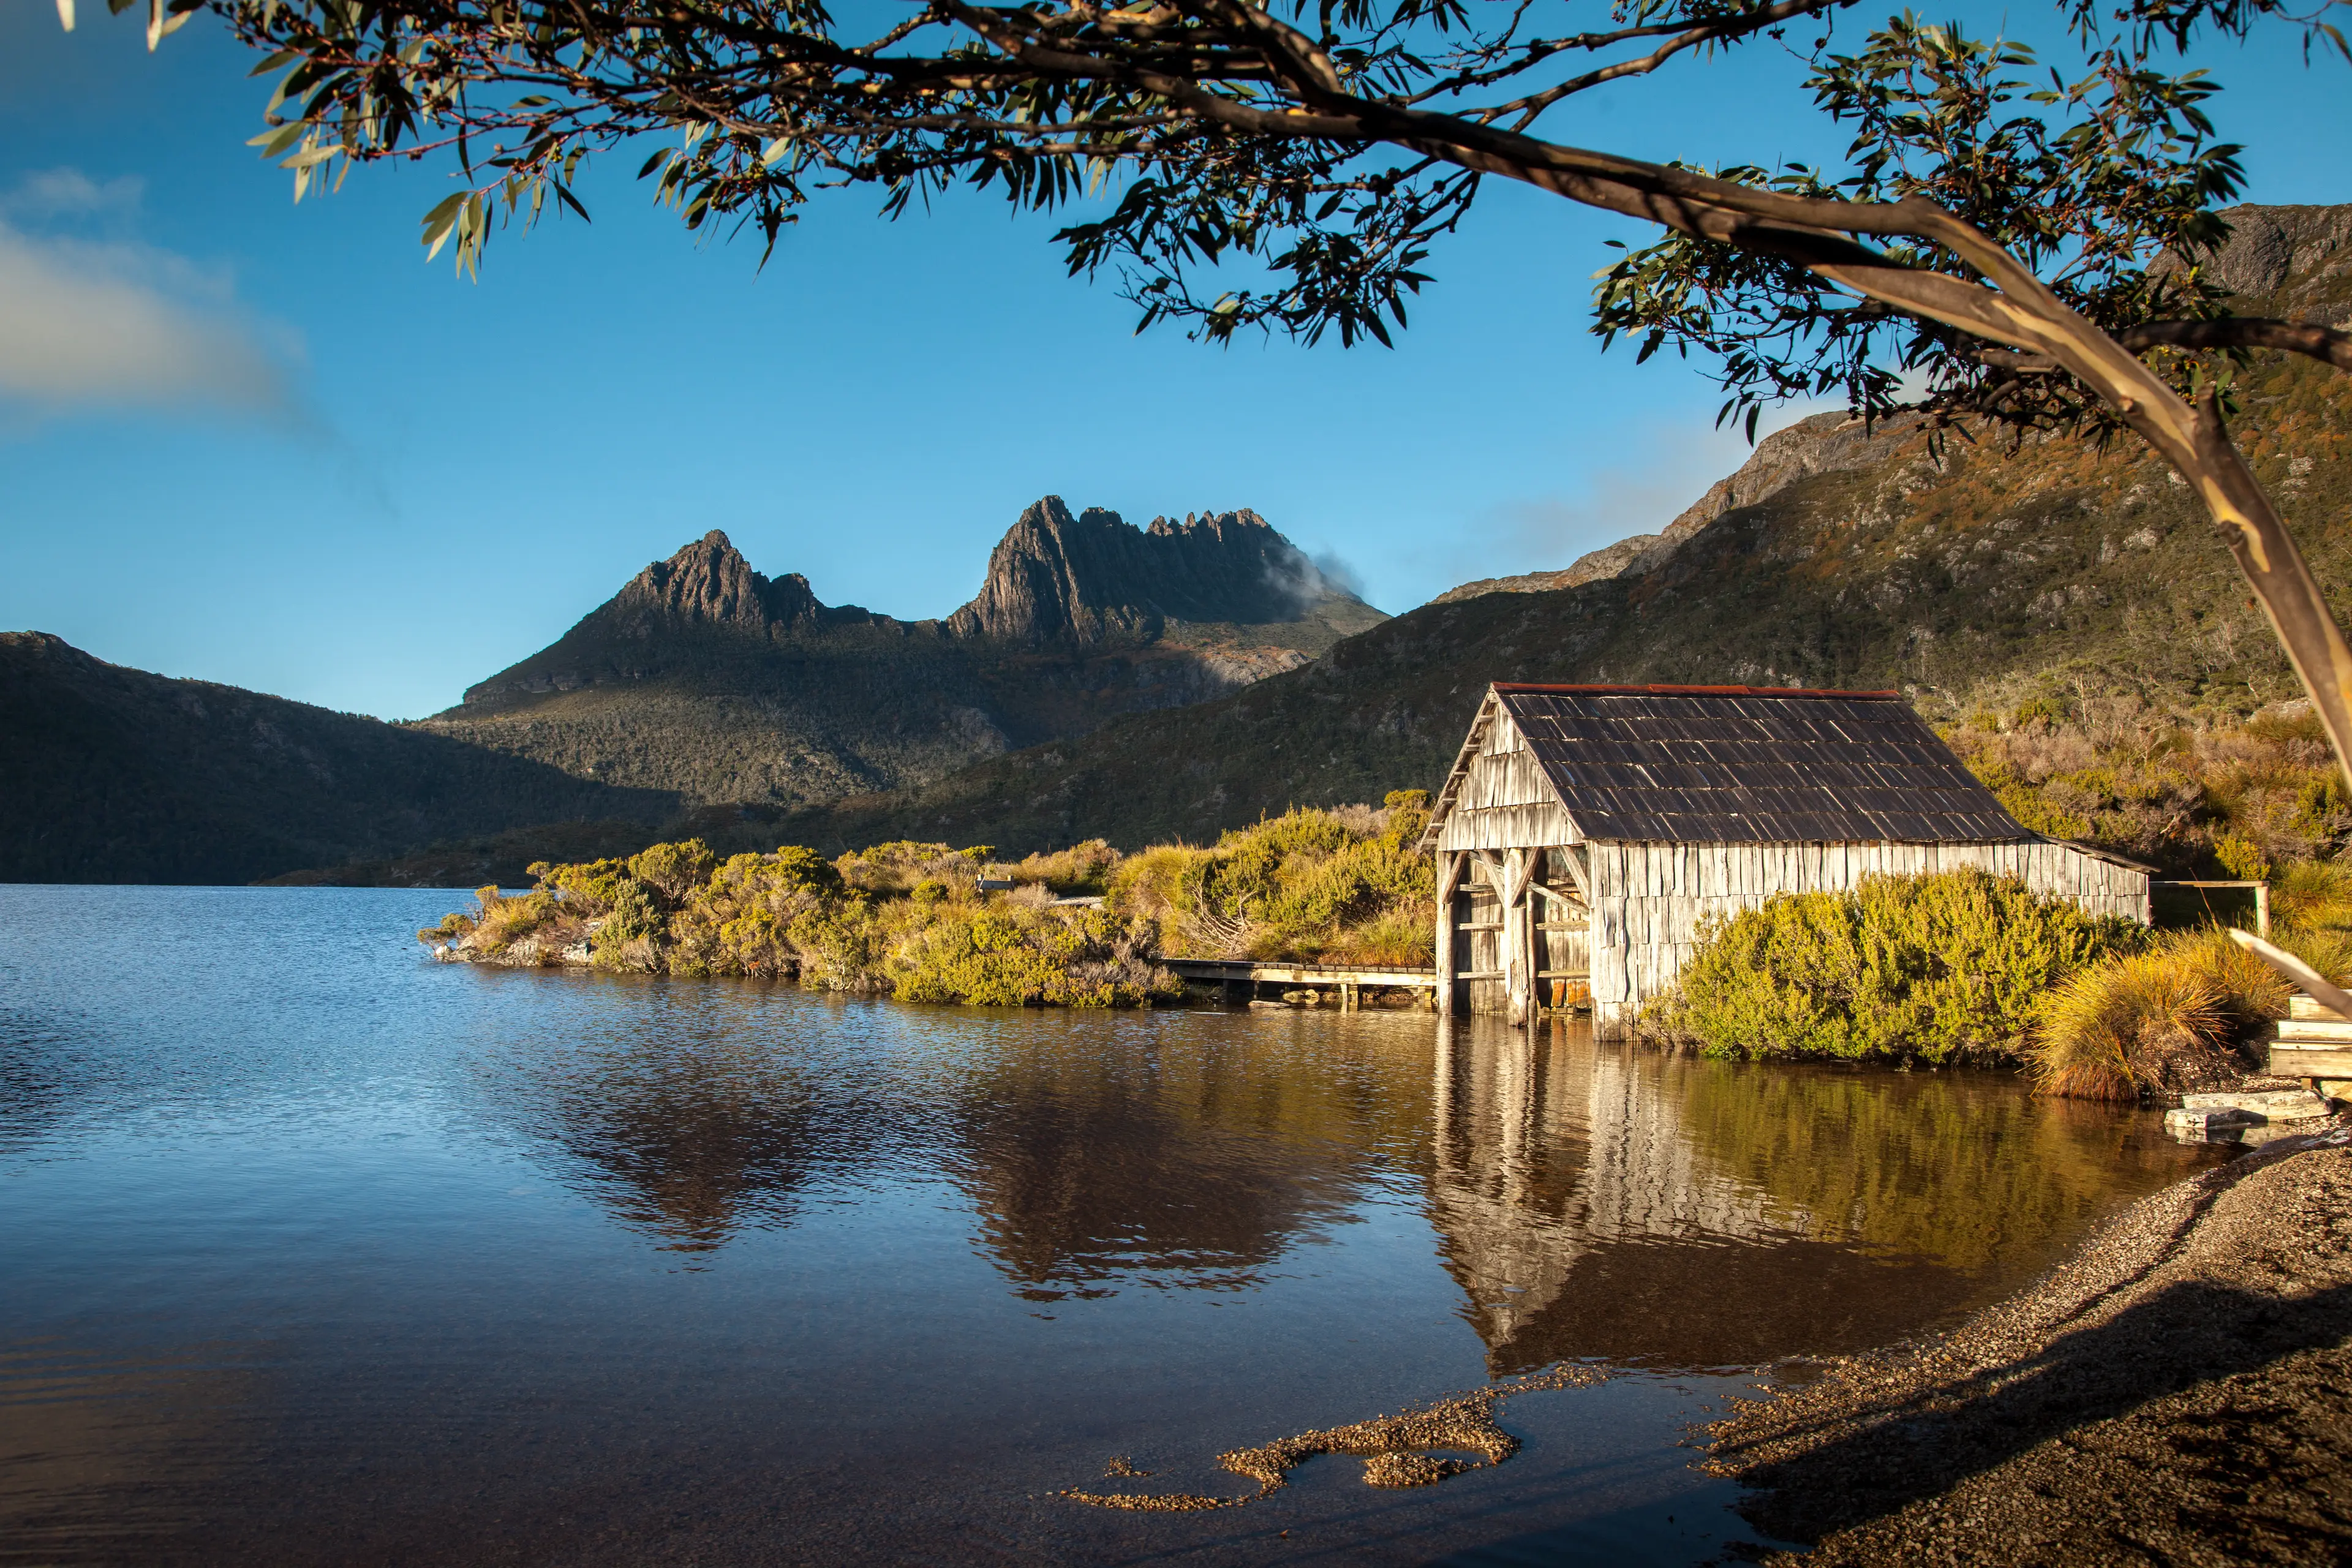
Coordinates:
<point>314,1251</point>
<point>1593,1201</point>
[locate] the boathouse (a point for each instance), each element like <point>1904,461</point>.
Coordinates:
<point>1585,831</point>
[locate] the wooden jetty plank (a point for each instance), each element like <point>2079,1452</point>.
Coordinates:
<point>1302,973</point>
<point>2311,1061</point>
<point>2316,1031</point>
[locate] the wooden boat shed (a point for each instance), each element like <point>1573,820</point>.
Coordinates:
<point>1585,831</point>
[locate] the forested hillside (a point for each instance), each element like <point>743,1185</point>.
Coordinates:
<point>111,774</point>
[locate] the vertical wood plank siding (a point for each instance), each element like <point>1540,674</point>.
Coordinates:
<point>1504,801</point>
<point>1648,899</point>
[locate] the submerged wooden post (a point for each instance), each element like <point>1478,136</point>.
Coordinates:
<point>1449,874</point>
<point>1518,986</point>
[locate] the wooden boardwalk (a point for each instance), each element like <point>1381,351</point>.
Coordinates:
<point>1348,980</point>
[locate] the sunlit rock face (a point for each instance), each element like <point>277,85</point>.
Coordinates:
<point>1097,578</point>
<point>730,686</point>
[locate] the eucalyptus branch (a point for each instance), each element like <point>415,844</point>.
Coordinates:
<point>1998,234</point>
<point>2239,332</point>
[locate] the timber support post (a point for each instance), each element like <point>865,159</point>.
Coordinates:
<point>1450,871</point>
<point>1518,984</point>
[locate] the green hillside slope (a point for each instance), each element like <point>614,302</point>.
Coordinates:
<point>116,776</point>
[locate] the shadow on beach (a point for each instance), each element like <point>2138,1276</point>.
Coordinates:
<point>2182,1392</point>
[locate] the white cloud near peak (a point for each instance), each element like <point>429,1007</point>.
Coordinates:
<point>89,323</point>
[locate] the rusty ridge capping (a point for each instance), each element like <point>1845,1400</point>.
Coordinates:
<point>1694,691</point>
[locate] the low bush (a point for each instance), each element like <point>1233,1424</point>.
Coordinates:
<point>903,918</point>
<point>1343,886</point>
<point>910,918</point>
<point>1944,967</point>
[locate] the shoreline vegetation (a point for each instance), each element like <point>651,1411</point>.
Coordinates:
<point>1083,927</point>
<point>1963,967</point>
<point>1948,969</point>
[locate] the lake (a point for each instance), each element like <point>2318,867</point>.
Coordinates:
<point>313,1250</point>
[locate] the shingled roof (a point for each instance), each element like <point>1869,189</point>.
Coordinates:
<point>1742,764</point>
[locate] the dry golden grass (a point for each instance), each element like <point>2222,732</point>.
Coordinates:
<point>2145,1023</point>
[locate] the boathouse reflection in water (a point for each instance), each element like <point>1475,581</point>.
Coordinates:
<point>1616,1202</point>
<point>1592,1200</point>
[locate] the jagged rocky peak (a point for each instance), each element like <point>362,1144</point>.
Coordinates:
<point>1096,577</point>
<point>2294,261</point>
<point>709,580</point>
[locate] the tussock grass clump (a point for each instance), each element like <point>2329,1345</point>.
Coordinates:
<point>1079,870</point>
<point>2185,1015</point>
<point>2141,1023</point>
<point>1935,968</point>
<point>2312,896</point>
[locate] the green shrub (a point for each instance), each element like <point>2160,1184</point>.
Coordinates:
<point>1342,885</point>
<point>673,870</point>
<point>1934,968</point>
<point>2242,858</point>
<point>910,918</point>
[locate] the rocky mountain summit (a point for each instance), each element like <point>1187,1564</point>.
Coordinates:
<point>705,677</point>
<point>1096,578</point>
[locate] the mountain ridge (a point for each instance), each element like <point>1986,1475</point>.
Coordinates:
<point>704,677</point>
<point>120,775</point>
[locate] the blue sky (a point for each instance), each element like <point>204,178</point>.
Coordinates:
<point>270,444</point>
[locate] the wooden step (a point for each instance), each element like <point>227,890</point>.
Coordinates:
<point>2329,1031</point>
<point>2311,1061</point>
<point>2300,1006</point>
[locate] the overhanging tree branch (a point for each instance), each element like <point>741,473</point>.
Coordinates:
<point>1999,234</point>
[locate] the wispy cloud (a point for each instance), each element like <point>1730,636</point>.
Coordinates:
<point>1652,475</point>
<point>92,317</point>
<point>68,193</point>
<point>1337,570</point>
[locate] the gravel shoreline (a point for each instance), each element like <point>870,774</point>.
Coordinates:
<point>2180,1391</point>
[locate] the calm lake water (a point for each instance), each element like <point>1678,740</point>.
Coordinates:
<point>314,1251</point>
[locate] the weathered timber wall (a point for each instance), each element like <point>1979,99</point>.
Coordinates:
<point>1649,899</point>
<point>1504,802</point>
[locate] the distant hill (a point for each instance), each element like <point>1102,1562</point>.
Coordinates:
<point>706,678</point>
<point>1838,555</point>
<point>111,774</point>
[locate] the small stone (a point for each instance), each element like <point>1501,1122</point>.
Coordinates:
<point>2208,1126</point>
<point>2262,1104</point>
<point>1410,1469</point>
